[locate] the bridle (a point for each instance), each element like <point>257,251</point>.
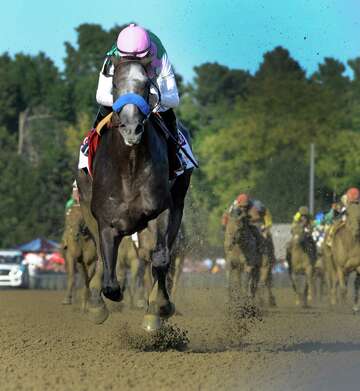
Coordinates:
<point>135,98</point>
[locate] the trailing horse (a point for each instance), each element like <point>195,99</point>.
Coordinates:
<point>79,252</point>
<point>129,191</point>
<point>128,263</point>
<point>345,251</point>
<point>300,263</point>
<point>245,252</point>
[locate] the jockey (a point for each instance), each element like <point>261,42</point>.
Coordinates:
<point>258,216</point>
<point>136,42</point>
<point>319,229</point>
<point>261,217</point>
<point>330,215</point>
<point>336,218</point>
<point>303,217</point>
<point>242,202</point>
<point>353,196</point>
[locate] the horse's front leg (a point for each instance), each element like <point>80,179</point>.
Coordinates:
<point>294,279</point>
<point>309,273</point>
<point>356,291</point>
<point>109,244</point>
<point>342,284</point>
<point>70,269</point>
<point>159,302</point>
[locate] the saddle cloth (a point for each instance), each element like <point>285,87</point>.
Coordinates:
<point>92,140</point>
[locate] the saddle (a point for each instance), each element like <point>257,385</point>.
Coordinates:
<point>183,154</point>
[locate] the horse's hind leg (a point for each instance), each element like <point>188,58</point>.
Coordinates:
<point>294,279</point>
<point>70,282</point>
<point>134,272</point>
<point>159,302</point>
<point>179,264</point>
<point>309,275</point>
<point>85,292</point>
<point>261,285</point>
<point>356,291</point>
<point>109,244</point>
<point>252,279</point>
<point>234,281</point>
<point>269,284</point>
<point>143,286</point>
<point>342,284</point>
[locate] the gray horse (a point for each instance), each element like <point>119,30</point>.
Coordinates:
<point>129,191</point>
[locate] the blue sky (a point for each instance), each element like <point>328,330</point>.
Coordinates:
<point>232,32</point>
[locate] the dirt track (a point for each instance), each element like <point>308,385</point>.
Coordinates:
<point>45,346</point>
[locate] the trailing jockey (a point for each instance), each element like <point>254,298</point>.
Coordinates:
<point>303,218</point>
<point>352,196</point>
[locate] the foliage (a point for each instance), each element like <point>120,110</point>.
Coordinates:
<point>250,133</point>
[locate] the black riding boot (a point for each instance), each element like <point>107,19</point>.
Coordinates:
<point>175,161</point>
<point>101,114</point>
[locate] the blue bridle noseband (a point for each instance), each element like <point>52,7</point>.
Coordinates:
<point>132,98</point>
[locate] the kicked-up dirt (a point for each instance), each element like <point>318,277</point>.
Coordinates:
<point>47,346</point>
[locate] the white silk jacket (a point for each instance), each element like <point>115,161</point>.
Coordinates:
<point>162,74</point>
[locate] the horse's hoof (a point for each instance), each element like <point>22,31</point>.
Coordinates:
<point>83,308</point>
<point>97,315</point>
<point>113,294</point>
<point>272,302</point>
<point>66,301</point>
<point>168,310</point>
<point>151,323</point>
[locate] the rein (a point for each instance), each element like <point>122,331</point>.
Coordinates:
<point>137,100</point>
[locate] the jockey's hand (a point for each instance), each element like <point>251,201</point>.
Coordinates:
<point>153,101</point>
<point>85,147</point>
<point>154,98</point>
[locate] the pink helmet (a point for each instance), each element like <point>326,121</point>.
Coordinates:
<point>133,41</point>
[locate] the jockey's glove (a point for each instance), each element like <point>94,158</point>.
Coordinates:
<point>154,101</point>
<point>85,147</point>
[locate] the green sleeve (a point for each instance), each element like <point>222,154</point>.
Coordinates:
<point>113,51</point>
<point>69,203</point>
<point>160,47</point>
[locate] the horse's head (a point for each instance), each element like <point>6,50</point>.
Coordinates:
<point>241,215</point>
<point>131,90</point>
<point>353,219</point>
<point>298,234</point>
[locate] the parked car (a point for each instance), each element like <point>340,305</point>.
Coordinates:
<point>13,271</point>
